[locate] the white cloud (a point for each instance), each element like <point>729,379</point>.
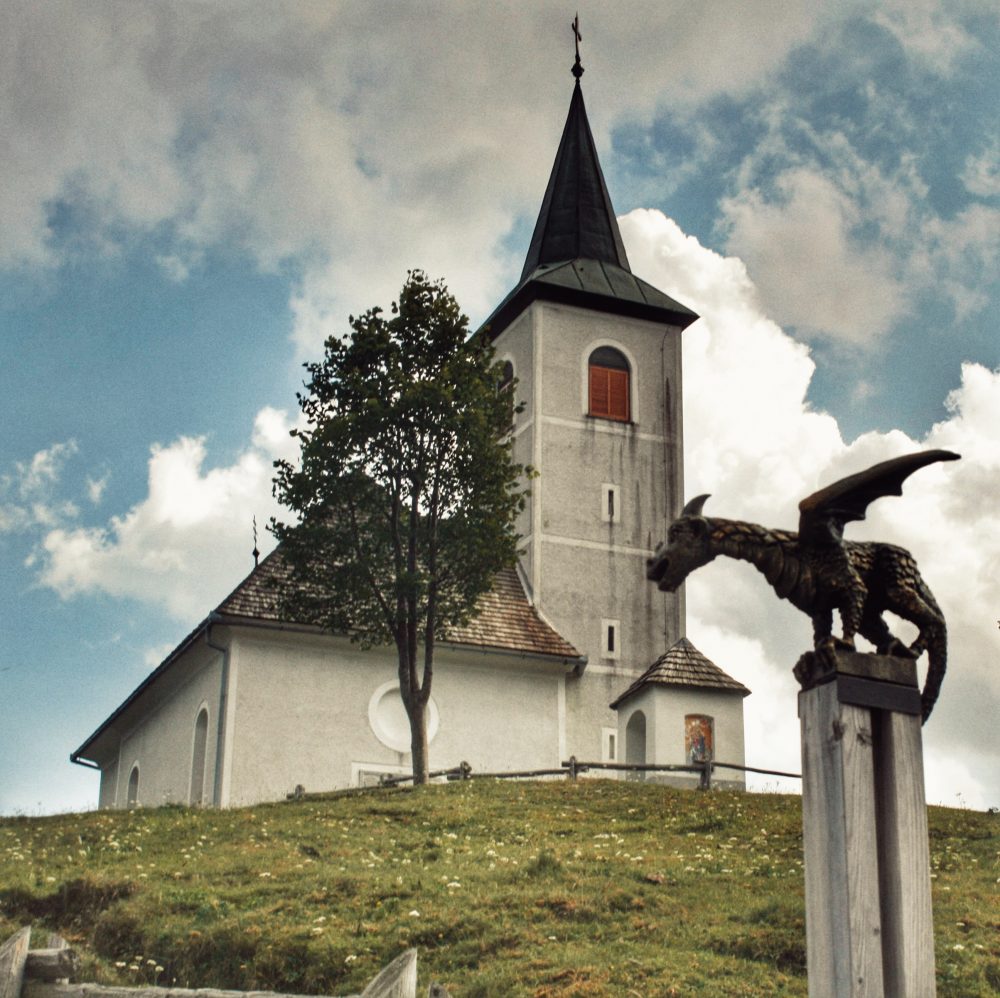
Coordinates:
<point>810,271</point>
<point>752,441</point>
<point>355,141</point>
<point>28,495</point>
<point>981,174</point>
<point>925,30</point>
<point>96,487</point>
<point>183,547</point>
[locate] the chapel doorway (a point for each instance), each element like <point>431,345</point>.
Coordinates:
<point>635,743</point>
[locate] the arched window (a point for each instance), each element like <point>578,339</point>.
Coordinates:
<point>506,377</point>
<point>609,385</point>
<point>198,758</point>
<point>132,799</point>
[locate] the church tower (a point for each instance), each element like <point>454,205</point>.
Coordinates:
<point>597,357</point>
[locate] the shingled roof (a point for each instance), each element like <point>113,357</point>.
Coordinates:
<point>504,618</point>
<point>683,665</point>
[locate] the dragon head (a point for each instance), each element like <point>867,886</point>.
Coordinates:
<point>685,549</point>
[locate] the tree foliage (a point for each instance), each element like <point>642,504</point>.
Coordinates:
<point>406,491</point>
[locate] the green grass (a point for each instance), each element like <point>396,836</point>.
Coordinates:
<point>541,889</point>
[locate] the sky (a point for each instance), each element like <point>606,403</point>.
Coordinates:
<point>196,194</point>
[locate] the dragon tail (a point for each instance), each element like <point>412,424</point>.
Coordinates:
<point>936,642</point>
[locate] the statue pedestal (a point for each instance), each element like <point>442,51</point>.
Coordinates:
<point>869,927</point>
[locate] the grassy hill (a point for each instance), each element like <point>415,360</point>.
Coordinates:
<point>542,889</point>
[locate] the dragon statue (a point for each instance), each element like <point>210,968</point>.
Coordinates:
<point>818,572</point>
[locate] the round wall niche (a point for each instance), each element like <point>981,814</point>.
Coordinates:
<point>388,720</point>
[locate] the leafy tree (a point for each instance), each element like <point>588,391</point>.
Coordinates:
<point>406,491</point>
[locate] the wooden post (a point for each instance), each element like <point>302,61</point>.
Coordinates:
<point>903,856</point>
<point>869,931</point>
<point>13,955</point>
<point>396,980</point>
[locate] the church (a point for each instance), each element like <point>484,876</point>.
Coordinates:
<point>572,653</point>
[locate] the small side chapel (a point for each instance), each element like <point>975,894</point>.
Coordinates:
<point>573,652</point>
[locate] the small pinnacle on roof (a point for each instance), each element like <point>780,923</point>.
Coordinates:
<point>255,552</point>
<point>577,69</point>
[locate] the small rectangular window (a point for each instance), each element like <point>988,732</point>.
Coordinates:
<point>610,639</point>
<point>609,737</point>
<point>610,503</point>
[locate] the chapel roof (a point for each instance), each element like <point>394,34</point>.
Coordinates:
<point>504,618</point>
<point>576,255</point>
<point>683,665</point>
<point>504,621</point>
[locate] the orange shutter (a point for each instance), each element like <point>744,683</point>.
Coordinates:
<point>618,395</point>
<point>599,395</point>
<point>609,393</point>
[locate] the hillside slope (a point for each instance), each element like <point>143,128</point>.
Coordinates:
<point>543,889</point>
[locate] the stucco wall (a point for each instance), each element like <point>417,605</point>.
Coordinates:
<point>109,785</point>
<point>302,709</point>
<point>665,708</point>
<point>582,568</point>
<point>160,738</point>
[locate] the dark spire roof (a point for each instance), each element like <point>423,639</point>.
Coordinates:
<point>576,220</point>
<point>576,255</point>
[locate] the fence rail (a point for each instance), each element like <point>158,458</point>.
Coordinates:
<point>572,767</point>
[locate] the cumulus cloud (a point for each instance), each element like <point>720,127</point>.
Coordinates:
<point>28,495</point>
<point>286,129</point>
<point>754,443</point>
<point>186,544</point>
<point>810,270</point>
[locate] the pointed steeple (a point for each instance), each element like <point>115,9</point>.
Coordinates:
<point>576,220</point>
<point>576,255</point>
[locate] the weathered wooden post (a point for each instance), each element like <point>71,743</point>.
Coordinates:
<point>869,928</point>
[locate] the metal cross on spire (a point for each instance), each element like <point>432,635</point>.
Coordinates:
<point>577,69</point>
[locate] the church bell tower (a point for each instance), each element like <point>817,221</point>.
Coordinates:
<point>596,353</point>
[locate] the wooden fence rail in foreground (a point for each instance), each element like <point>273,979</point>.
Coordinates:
<point>572,767</point>
<point>28,973</point>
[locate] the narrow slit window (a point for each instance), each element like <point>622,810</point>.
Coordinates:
<point>611,638</point>
<point>609,738</point>
<point>610,503</point>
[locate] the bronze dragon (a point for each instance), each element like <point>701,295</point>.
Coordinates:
<point>818,572</point>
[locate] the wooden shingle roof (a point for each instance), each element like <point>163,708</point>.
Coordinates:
<point>504,618</point>
<point>683,665</point>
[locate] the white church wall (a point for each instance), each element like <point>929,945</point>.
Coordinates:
<point>499,713</point>
<point>593,568</point>
<point>301,713</point>
<point>161,738</point>
<point>109,785</point>
<point>305,705</point>
<point>516,343</point>
<point>665,709</point>
<point>587,711</point>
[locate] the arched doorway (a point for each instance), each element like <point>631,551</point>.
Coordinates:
<point>198,758</point>
<point>635,743</point>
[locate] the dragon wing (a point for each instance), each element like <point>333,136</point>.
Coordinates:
<point>823,514</point>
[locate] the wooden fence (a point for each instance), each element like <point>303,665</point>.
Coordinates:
<point>47,973</point>
<point>572,768</point>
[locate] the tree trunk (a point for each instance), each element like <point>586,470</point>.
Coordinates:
<point>418,740</point>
